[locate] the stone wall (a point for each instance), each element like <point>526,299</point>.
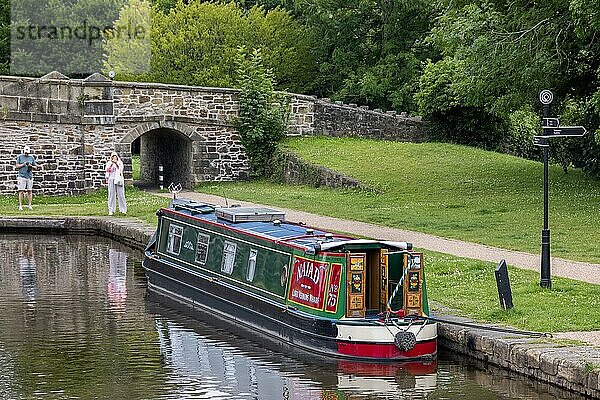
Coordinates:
<point>73,125</point>
<point>337,119</point>
<point>291,169</point>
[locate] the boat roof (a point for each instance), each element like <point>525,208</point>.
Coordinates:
<point>270,224</point>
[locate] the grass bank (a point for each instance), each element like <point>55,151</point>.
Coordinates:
<point>467,194</point>
<point>451,191</point>
<point>469,287</point>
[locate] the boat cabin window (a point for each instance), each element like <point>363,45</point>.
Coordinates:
<point>202,248</point>
<point>174,241</point>
<point>251,265</point>
<point>229,249</point>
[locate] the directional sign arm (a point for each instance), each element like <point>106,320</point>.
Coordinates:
<point>564,131</point>
<point>550,123</point>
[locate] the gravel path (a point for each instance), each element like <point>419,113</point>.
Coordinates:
<point>576,270</point>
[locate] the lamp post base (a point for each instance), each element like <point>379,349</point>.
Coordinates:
<point>546,279</point>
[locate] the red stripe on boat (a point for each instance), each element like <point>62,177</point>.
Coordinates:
<point>385,351</point>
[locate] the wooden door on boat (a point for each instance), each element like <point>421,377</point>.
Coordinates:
<point>356,285</point>
<point>367,283</point>
<point>383,279</point>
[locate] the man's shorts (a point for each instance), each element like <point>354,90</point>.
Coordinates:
<point>24,184</point>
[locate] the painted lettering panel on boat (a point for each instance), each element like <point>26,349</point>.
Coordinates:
<point>333,289</point>
<point>307,283</point>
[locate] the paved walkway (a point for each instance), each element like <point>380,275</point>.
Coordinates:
<point>576,270</point>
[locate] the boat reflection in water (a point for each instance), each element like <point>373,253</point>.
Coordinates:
<point>204,353</point>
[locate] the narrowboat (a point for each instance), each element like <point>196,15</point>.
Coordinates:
<point>317,291</point>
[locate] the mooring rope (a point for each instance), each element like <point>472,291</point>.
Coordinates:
<point>488,328</point>
<point>410,264</point>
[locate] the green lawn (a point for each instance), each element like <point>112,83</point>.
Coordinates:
<point>469,286</point>
<point>135,167</point>
<point>451,191</point>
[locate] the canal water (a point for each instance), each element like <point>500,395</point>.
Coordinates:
<point>76,322</point>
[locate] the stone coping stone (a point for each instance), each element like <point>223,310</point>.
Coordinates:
<point>125,230</point>
<point>572,367</point>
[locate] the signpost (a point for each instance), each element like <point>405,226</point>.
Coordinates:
<point>550,129</point>
<point>565,131</point>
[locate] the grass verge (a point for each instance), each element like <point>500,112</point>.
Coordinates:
<point>141,205</point>
<point>469,287</point>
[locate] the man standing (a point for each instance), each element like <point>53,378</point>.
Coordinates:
<point>25,164</point>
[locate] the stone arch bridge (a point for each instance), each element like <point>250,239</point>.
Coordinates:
<point>72,125</point>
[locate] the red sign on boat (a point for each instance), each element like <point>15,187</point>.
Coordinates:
<point>307,283</point>
<point>333,290</point>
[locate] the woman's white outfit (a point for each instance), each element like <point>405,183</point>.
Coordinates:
<point>115,191</point>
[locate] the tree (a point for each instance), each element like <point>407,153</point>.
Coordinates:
<point>495,58</point>
<point>262,119</point>
<point>4,36</point>
<point>55,35</point>
<point>369,51</point>
<point>196,44</point>
<point>127,47</point>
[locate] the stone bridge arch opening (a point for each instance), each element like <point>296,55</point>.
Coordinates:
<point>164,147</point>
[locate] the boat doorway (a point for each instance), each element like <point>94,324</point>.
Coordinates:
<point>162,156</point>
<point>372,279</point>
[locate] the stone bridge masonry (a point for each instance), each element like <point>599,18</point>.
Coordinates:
<point>72,125</point>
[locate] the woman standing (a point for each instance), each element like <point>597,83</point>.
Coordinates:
<point>116,184</point>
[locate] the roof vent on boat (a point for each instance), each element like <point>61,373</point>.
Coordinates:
<point>250,214</point>
<point>277,222</point>
<point>192,207</point>
<point>310,231</point>
<point>329,236</point>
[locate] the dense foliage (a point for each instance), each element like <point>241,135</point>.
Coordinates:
<point>51,35</point>
<point>196,44</point>
<point>496,56</point>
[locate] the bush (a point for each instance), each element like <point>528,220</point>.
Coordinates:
<point>470,126</point>
<point>263,114</point>
<point>523,125</point>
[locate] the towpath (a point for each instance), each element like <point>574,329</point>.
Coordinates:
<point>581,271</point>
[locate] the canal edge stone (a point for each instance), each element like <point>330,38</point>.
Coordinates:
<point>575,368</point>
<point>540,359</point>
